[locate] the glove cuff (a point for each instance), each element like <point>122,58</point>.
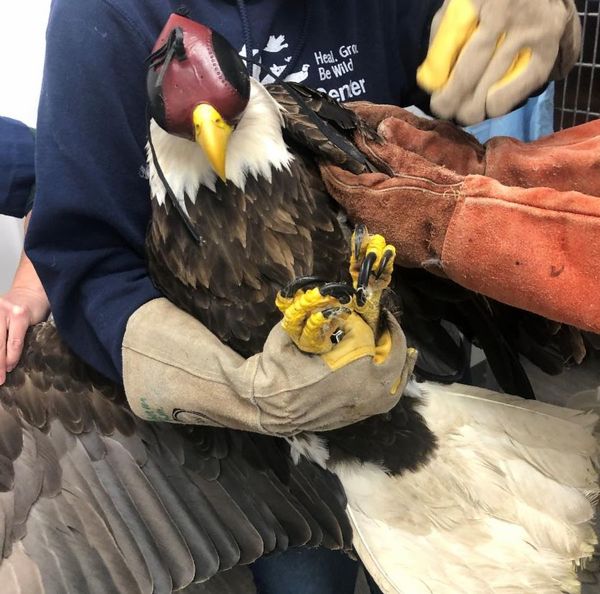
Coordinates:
<point>535,249</point>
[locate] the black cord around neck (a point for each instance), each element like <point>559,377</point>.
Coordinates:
<point>302,40</point>
<point>174,201</point>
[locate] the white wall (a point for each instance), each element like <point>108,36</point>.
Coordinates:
<point>22,44</point>
<point>11,239</point>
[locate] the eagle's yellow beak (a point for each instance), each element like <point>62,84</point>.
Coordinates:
<point>212,134</point>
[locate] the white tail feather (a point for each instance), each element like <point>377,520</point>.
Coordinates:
<point>503,506</point>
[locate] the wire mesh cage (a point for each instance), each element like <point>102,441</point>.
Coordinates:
<point>577,98</point>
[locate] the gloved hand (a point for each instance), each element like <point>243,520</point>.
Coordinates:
<point>566,160</point>
<point>486,56</point>
<point>175,370</point>
<point>534,248</point>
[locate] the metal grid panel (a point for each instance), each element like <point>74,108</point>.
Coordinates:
<point>577,98</point>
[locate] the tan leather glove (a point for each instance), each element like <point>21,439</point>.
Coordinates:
<point>175,370</point>
<point>486,56</point>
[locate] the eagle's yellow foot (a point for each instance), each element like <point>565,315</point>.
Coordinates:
<point>371,267</point>
<point>313,316</point>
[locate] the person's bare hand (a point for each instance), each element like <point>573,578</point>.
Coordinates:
<point>24,305</point>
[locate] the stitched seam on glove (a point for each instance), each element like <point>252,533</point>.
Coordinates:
<point>170,363</point>
<point>360,188</point>
<point>254,400</point>
<point>216,380</point>
<point>554,207</point>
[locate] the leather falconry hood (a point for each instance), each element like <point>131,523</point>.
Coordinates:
<point>190,64</point>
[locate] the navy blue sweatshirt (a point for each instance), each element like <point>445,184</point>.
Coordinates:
<point>16,168</point>
<point>86,238</point>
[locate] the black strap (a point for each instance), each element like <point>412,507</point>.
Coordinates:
<point>176,204</point>
<point>172,48</point>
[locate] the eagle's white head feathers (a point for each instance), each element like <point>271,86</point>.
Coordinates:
<point>256,148</point>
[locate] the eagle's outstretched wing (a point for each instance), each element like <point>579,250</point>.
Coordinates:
<point>94,500</point>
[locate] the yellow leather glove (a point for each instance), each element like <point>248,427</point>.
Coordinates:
<point>486,56</point>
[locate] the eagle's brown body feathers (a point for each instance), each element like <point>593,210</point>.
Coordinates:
<point>253,243</point>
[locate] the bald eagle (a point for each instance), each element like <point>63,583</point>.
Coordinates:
<point>457,489</point>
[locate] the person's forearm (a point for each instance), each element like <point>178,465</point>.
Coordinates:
<point>25,304</point>
<point>535,247</point>
<point>17,174</point>
<point>86,237</point>
<point>26,279</point>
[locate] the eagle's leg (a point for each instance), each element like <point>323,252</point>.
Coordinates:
<point>312,315</point>
<point>371,267</point>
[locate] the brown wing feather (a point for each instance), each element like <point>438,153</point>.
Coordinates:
<point>340,123</point>
<point>94,500</point>
<point>253,243</point>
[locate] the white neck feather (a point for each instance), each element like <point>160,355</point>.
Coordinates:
<point>256,147</point>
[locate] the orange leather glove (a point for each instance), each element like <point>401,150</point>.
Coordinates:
<point>536,249</point>
<point>566,160</point>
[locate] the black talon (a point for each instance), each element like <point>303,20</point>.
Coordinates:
<point>387,256</point>
<point>341,291</point>
<point>300,283</point>
<point>359,235</point>
<point>365,269</point>
<point>363,278</point>
<point>361,296</point>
